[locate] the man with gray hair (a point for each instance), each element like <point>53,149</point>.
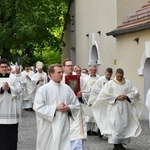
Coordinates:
<point>89,82</point>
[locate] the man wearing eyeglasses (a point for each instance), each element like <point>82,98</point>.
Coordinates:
<point>78,130</point>
<point>9,112</point>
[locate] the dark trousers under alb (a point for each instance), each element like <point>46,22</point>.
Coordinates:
<point>8,136</point>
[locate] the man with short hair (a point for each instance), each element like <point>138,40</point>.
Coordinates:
<point>77,70</point>
<point>78,126</point>
<point>19,76</point>
<point>99,83</point>
<point>28,89</point>
<point>85,72</point>
<point>20,79</point>
<point>68,67</point>
<point>117,110</point>
<point>89,83</point>
<point>54,102</point>
<point>91,78</point>
<point>96,88</point>
<point>34,69</point>
<point>9,111</point>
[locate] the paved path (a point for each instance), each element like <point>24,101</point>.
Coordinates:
<point>27,137</point>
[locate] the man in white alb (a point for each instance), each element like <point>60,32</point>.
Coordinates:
<point>78,130</point>
<point>89,83</point>
<point>28,89</point>
<point>99,83</point>
<point>9,108</point>
<point>115,111</point>
<point>38,79</point>
<point>20,79</point>
<point>54,102</point>
<point>96,88</point>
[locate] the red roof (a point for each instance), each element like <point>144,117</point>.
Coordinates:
<point>137,21</point>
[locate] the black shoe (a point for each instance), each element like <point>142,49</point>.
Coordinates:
<point>26,109</point>
<point>30,109</point>
<point>89,132</point>
<point>81,101</point>
<point>99,133</point>
<point>116,147</point>
<point>119,147</point>
<point>94,133</point>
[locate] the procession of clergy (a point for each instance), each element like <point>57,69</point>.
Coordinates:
<point>105,106</point>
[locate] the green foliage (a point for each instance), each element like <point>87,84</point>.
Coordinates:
<point>28,26</point>
<point>49,56</point>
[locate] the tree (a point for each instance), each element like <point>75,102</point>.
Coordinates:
<point>26,25</point>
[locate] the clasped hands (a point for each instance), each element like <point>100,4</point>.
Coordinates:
<point>121,97</point>
<point>62,107</point>
<point>41,79</point>
<point>5,86</point>
<point>27,76</point>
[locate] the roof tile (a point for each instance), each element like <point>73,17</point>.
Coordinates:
<point>140,17</point>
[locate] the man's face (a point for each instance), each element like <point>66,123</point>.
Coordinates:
<point>78,71</point>
<point>40,70</point>
<point>119,76</point>
<point>57,75</point>
<point>108,75</point>
<point>34,68</point>
<point>9,69</point>
<point>93,71</point>
<point>3,68</point>
<point>84,71</point>
<point>17,70</point>
<point>68,68</point>
<point>27,69</point>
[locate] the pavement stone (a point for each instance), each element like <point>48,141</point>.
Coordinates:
<point>27,136</point>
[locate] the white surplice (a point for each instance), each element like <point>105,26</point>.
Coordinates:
<point>99,83</point>
<point>89,81</point>
<point>35,80</point>
<point>20,78</point>
<point>53,127</point>
<point>29,87</point>
<point>9,102</point>
<point>96,88</point>
<point>89,118</point>
<point>118,119</point>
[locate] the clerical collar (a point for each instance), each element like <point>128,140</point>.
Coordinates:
<point>18,75</point>
<point>68,74</point>
<point>56,83</point>
<point>119,82</point>
<point>92,76</point>
<point>4,75</point>
<point>40,72</point>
